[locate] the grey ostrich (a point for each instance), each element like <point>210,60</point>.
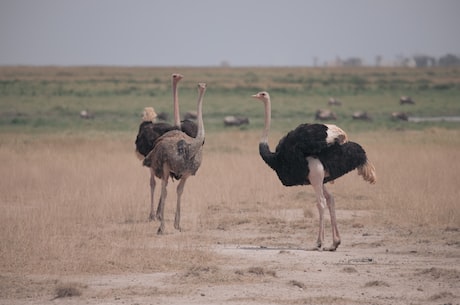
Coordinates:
<point>150,131</point>
<point>177,155</point>
<point>314,154</point>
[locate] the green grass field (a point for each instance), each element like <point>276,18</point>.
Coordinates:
<point>49,99</point>
<point>74,198</point>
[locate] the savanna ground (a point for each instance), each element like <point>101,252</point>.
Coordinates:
<point>74,199</point>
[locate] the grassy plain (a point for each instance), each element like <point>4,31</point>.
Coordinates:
<point>64,198</point>
<point>51,98</point>
<point>74,198</point>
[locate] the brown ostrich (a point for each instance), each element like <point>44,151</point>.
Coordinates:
<point>177,155</point>
<point>150,131</point>
<point>314,154</point>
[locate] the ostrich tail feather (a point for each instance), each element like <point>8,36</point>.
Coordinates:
<point>147,161</point>
<point>139,155</point>
<point>367,170</point>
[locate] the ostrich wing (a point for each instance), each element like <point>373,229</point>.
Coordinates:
<point>291,165</point>
<point>189,127</point>
<point>289,159</point>
<point>341,159</point>
<point>307,139</point>
<point>148,133</point>
<point>180,152</point>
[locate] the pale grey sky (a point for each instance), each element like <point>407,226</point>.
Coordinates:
<point>207,32</point>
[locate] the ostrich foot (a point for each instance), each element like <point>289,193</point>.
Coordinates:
<point>316,247</point>
<point>177,223</point>
<point>152,217</point>
<point>161,230</point>
<point>333,247</point>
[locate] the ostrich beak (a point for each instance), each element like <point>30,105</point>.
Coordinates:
<point>255,95</point>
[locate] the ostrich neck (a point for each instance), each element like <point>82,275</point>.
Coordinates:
<point>200,123</point>
<point>176,105</point>
<point>268,114</point>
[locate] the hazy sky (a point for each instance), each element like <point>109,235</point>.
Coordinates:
<point>207,32</point>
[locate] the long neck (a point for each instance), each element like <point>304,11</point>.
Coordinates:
<point>200,123</point>
<point>176,103</point>
<point>268,117</point>
<point>264,149</point>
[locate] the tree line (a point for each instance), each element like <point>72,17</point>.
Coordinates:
<point>419,61</point>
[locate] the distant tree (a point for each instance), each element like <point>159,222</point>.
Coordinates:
<point>422,61</point>
<point>403,61</point>
<point>449,60</point>
<point>352,62</point>
<point>378,60</point>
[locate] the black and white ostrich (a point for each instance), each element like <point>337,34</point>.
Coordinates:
<point>150,131</point>
<point>314,154</point>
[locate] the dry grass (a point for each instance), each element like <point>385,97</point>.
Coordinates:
<point>80,204</point>
<point>66,290</point>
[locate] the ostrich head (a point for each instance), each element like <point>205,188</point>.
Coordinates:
<point>177,77</point>
<point>263,96</point>
<point>149,114</point>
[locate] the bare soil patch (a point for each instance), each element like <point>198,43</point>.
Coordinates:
<point>376,265</point>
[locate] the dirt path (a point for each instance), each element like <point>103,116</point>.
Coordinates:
<point>372,266</point>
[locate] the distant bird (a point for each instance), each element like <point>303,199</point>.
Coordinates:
<point>85,114</point>
<point>361,115</point>
<point>178,156</point>
<point>334,102</point>
<point>163,116</point>
<point>402,116</point>
<point>325,115</point>
<point>232,120</point>
<point>314,154</point>
<point>150,131</point>
<point>406,100</point>
<point>190,115</point>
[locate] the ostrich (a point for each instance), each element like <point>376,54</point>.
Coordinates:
<point>314,154</point>
<point>149,132</point>
<point>177,155</point>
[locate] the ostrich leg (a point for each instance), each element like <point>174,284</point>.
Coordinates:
<point>161,204</point>
<point>321,205</point>
<point>180,190</point>
<point>152,191</point>
<point>335,231</point>
<point>316,177</point>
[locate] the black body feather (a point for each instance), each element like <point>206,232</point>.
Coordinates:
<point>290,163</point>
<point>149,132</point>
<point>341,159</point>
<point>308,138</point>
<point>189,127</point>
